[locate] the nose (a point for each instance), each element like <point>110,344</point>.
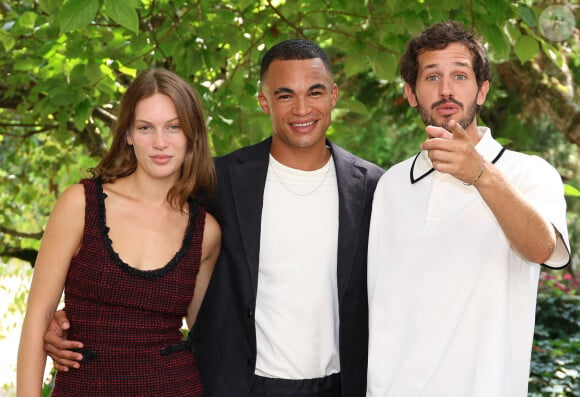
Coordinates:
<point>301,106</point>
<point>159,140</point>
<point>445,90</point>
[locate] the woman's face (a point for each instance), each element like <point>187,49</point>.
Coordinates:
<point>157,138</point>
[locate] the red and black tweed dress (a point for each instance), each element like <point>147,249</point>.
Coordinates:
<point>129,320</point>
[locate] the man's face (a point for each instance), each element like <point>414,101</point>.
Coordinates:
<point>446,88</point>
<point>299,96</point>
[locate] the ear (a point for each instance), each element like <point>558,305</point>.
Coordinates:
<point>263,102</point>
<point>129,138</point>
<point>334,94</point>
<point>410,94</point>
<point>482,92</point>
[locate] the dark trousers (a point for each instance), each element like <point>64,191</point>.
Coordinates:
<point>329,386</point>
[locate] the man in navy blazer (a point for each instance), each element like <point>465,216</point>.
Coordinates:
<point>249,336</point>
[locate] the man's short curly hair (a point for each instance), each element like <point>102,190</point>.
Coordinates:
<point>437,37</point>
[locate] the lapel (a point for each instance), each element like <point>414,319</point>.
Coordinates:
<point>248,179</point>
<point>352,191</point>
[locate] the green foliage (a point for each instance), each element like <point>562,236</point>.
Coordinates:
<point>555,367</point>
<point>571,191</point>
<point>123,12</point>
<point>77,14</point>
<point>526,48</point>
<point>47,389</point>
<point>65,64</point>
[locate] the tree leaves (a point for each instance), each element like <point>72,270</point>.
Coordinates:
<point>571,191</point>
<point>77,13</point>
<point>499,42</point>
<point>123,12</point>
<point>526,48</point>
<point>384,65</point>
<point>66,62</point>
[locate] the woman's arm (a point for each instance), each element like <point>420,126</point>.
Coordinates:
<point>210,249</point>
<point>60,242</point>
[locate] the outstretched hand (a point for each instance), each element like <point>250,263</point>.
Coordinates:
<point>58,347</point>
<point>452,152</point>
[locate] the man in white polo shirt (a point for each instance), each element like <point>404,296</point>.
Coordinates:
<point>458,233</point>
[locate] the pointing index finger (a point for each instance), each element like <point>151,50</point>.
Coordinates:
<point>457,130</point>
<point>438,132</point>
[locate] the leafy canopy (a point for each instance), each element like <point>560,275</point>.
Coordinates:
<point>65,65</point>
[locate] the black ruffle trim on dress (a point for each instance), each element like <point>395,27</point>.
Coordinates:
<point>146,274</point>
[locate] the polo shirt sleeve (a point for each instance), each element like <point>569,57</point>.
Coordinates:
<point>542,185</point>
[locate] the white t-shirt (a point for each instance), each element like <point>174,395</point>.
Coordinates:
<point>297,301</point>
<point>451,304</point>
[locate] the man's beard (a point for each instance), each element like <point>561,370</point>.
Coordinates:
<point>464,122</point>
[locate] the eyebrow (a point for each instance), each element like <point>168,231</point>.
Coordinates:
<point>318,86</point>
<point>460,64</point>
<point>147,121</point>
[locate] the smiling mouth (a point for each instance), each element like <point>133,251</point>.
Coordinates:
<point>303,124</point>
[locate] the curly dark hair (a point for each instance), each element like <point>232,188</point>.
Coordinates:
<point>437,37</point>
<point>291,50</point>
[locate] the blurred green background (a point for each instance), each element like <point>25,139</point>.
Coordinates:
<point>65,64</point>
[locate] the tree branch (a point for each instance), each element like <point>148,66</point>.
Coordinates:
<point>26,254</point>
<point>15,233</point>
<point>544,91</point>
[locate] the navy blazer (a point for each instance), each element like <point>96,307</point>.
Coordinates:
<point>224,334</point>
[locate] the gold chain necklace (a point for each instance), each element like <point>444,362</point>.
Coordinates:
<point>303,194</point>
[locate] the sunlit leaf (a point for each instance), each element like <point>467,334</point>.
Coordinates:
<point>123,12</point>
<point>93,72</point>
<point>82,112</point>
<point>571,191</point>
<point>7,41</point>
<point>498,42</point>
<point>526,48</point>
<point>353,105</point>
<point>75,14</point>
<point>527,15</point>
<point>354,65</point>
<point>384,65</point>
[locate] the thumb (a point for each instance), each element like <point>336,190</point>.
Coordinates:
<point>60,319</point>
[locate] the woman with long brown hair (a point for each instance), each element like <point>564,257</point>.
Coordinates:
<point>133,249</point>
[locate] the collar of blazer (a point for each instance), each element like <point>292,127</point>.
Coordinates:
<point>243,177</point>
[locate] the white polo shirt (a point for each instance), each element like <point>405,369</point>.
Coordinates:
<point>451,304</point>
